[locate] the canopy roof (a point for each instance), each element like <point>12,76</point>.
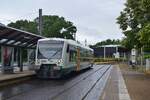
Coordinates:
<point>17,38</point>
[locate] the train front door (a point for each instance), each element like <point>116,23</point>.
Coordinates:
<point>78,59</point>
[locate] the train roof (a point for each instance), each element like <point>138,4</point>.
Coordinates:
<point>72,42</point>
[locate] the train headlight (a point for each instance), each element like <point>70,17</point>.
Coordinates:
<point>59,61</point>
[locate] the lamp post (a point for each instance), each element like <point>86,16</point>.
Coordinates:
<point>65,29</point>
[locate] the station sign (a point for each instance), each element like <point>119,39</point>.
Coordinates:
<point>117,55</point>
<point>133,52</point>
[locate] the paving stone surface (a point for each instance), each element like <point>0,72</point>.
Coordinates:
<point>115,88</point>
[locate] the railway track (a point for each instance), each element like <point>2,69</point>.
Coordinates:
<point>73,85</point>
<point>59,97</point>
<point>94,84</point>
<point>56,90</point>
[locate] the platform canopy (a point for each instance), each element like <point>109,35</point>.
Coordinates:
<point>17,38</point>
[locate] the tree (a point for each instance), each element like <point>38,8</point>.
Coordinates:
<point>132,19</point>
<point>52,26</point>
<point>25,25</point>
<point>145,35</point>
<point>107,42</point>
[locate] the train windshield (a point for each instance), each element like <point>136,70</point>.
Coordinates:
<point>50,49</point>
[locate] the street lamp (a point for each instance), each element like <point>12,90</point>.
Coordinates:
<point>65,29</point>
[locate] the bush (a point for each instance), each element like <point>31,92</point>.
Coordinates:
<point>147,56</point>
<point>107,59</point>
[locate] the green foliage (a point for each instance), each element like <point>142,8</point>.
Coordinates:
<point>25,25</point>
<point>131,40</point>
<point>106,42</point>
<point>122,20</point>
<point>147,56</point>
<point>24,55</point>
<point>145,35</point>
<point>52,26</point>
<point>107,59</point>
<point>146,48</point>
<point>126,43</point>
<point>132,19</point>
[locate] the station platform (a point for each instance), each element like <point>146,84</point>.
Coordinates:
<point>137,82</point>
<point>17,76</point>
<point>115,88</point>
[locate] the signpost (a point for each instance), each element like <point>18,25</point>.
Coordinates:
<point>133,57</point>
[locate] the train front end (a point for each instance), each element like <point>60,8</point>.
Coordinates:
<point>49,58</point>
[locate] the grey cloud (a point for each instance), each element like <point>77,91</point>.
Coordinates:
<point>95,19</point>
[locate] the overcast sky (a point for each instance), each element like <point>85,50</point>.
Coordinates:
<point>95,19</point>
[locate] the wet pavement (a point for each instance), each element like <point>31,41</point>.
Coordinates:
<point>86,85</point>
<point>115,88</point>
<point>137,83</point>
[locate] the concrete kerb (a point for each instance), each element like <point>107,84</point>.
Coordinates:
<point>123,92</point>
<point>7,79</point>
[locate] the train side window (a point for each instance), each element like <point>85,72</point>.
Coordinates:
<point>68,48</point>
<point>72,56</point>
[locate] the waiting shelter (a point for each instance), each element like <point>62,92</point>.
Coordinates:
<point>109,51</point>
<point>12,44</point>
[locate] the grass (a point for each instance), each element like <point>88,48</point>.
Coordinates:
<point>137,68</point>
